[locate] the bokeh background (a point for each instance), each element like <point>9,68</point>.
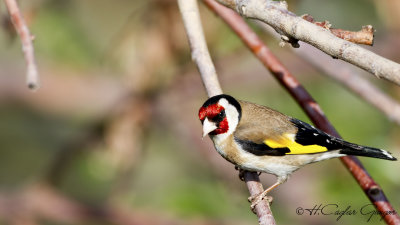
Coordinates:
<point>112,136</point>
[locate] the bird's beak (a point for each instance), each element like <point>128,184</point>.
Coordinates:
<point>208,127</point>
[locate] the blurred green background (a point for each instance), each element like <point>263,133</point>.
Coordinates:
<point>112,136</point>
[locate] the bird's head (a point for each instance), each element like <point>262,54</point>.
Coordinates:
<point>220,114</point>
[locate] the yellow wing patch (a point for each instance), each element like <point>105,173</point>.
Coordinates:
<point>294,147</point>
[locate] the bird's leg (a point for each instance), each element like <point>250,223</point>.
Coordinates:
<point>257,199</point>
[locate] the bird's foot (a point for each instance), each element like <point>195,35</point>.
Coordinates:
<point>258,198</point>
<point>241,173</point>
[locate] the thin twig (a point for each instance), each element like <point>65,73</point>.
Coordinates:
<point>293,28</point>
<point>365,36</point>
<point>304,99</point>
<point>191,17</point>
<point>200,53</point>
<point>32,77</point>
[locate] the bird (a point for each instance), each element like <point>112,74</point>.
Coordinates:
<point>259,139</point>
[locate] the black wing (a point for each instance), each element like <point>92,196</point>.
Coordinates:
<point>260,149</point>
<point>309,135</point>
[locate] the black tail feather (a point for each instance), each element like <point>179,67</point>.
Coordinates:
<point>309,135</point>
<point>368,152</point>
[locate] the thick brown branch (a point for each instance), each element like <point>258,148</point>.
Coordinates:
<point>365,36</point>
<point>304,99</point>
<point>292,27</point>
<point>191,18</point>
<point>32,77</point>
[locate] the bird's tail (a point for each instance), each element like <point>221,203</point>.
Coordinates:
<point>357,150</point>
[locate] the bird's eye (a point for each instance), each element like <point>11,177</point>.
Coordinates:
<point>220,116</point>
<point>222,113</point>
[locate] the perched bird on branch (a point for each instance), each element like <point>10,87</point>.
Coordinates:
<point>257,138</point>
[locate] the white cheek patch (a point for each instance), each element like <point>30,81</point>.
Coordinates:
<point>223,102</point>
<point>232,115</point>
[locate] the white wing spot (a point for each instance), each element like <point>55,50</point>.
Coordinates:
<point>327,141</point>
<point>387,154</point>
<point>315,134</point>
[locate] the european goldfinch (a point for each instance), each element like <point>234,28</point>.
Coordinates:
<point>257,138</point>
